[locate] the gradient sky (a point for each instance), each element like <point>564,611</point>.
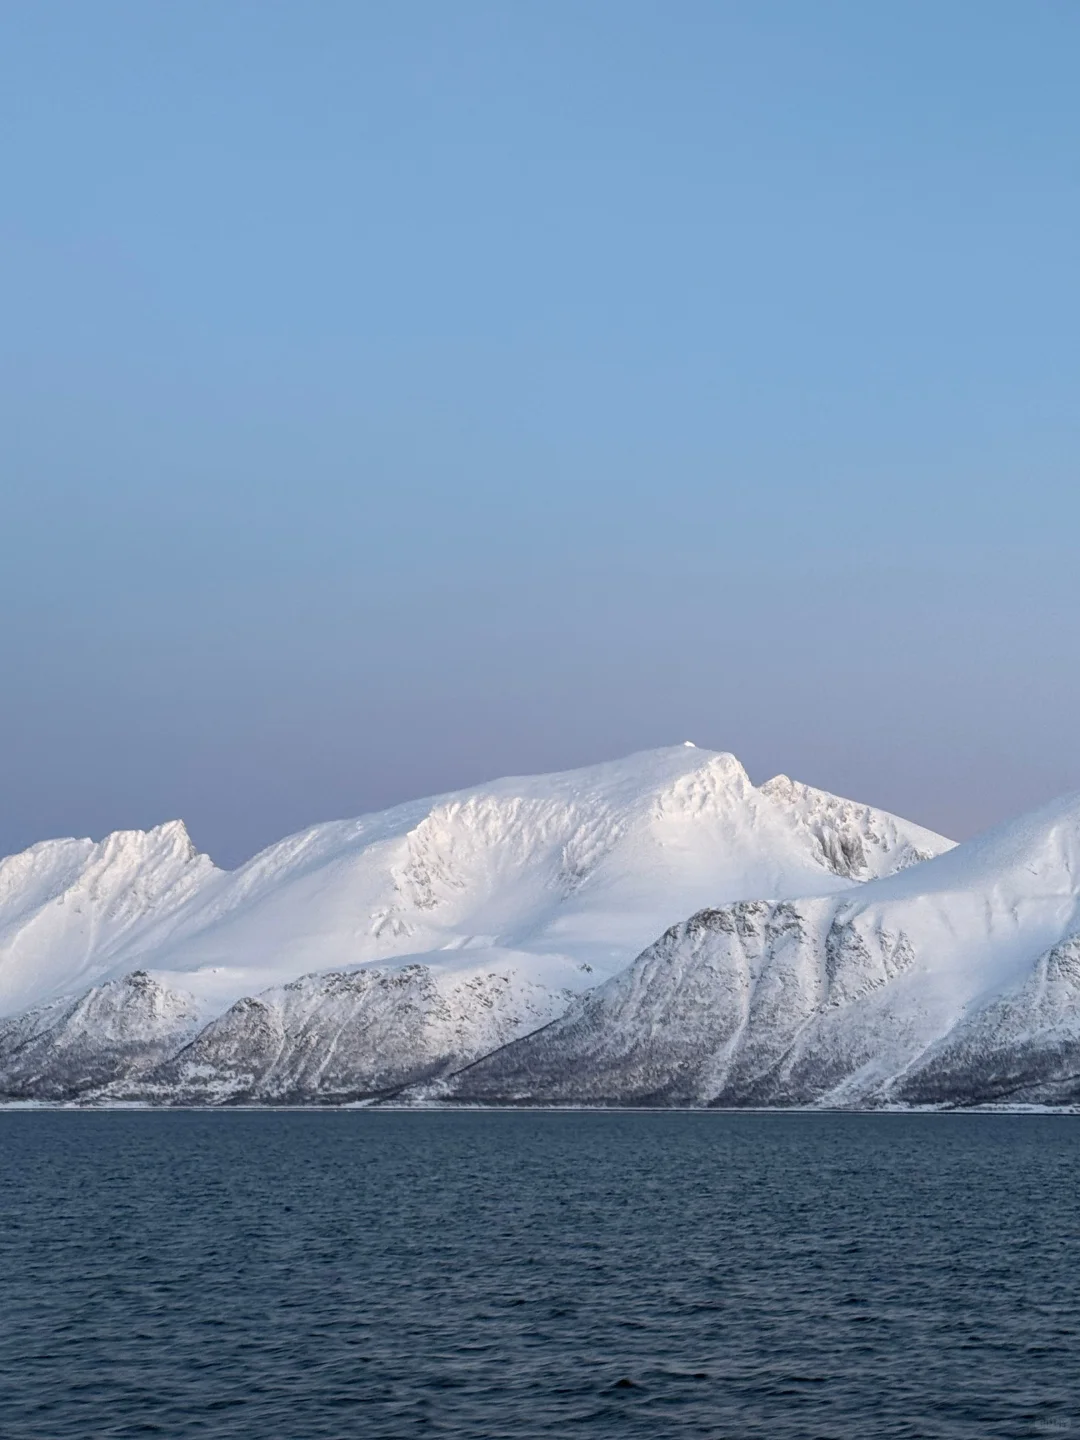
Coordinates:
<point>397,395</point>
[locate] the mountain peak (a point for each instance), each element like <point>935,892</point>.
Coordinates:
<point>572,872</point>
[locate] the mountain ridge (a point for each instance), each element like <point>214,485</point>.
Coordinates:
<point>437,870</point>
<point>957,981</point>
<point>498,903</point>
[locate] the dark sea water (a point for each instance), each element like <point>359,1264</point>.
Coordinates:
<point>298,1275</point>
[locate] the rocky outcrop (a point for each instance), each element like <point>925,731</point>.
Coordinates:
<point>340,1037</point>
<point>114,1035</point>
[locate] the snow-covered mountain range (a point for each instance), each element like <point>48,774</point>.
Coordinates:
<point>499,945</point>
<point>360,955</point>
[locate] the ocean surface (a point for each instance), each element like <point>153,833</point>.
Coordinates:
<point>288,1275</point>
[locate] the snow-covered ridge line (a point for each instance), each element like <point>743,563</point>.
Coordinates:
<point>428,934</point>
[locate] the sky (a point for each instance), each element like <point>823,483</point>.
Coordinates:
<point>397,396</point>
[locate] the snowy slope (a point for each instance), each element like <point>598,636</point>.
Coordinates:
<point>526,889</point>
<point>580,867</point>
<point>955,982</point>
<point>72,912</point>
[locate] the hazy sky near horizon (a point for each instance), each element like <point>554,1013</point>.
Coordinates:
<point>394,396</point>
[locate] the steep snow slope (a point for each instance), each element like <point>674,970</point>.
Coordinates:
<point>72,911</point>
<point>509,897</point>
<point>955,982</point>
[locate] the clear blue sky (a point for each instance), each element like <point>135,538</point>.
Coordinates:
<point>396,395</point>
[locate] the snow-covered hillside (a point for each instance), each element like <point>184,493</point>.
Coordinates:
<point>72,912</point>
<point>954,982</point>
<point>483,912</point>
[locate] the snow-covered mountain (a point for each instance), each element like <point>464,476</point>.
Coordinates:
<point>116,1033</point>
<point>70,910</point>
<point>360,955</point>
<point>955,982</point>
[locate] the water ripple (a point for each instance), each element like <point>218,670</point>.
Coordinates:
<point>301,1275</point>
